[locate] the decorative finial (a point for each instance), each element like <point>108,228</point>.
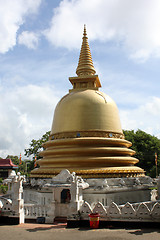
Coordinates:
<point>85,32</point>
<point>85,64</point>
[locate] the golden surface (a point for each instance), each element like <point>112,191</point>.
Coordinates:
<point>85,82</point>
<point>85,64</point>
<point>86,110</point>
<point>88,157</point>
<point>93,173</point>
<point>86,135</point>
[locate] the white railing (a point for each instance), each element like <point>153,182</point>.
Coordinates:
<point>144,211</point>
<point>32,211</point>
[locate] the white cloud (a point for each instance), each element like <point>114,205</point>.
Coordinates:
<point>29,39</point>
<point>146,117</point>
<point>141,55</point>
<point>12,16</point>
<point>27,114</point>
<point>133,24</point>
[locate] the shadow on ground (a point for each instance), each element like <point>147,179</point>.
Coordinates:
<point>134,228</point>
<point>144,231</point>
<point>45,228</point>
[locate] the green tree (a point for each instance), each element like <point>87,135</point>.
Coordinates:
<point>16,161</point>
<point>3,188</point>
<point>143,143</point>
<point>34,149</point>
<point>145,146</point>
<point>36,146</point>
<point>29,166</point>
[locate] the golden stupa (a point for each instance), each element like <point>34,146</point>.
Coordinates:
<point>86,135</point>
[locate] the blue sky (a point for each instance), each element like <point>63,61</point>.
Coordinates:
<point>40,42</point>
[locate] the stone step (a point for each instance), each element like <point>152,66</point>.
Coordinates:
<point>60,219</point>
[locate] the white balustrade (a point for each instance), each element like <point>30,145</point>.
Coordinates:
<point>33,211</point>
<point>145,211</point>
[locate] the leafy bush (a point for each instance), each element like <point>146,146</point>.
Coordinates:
<point>3,189</point>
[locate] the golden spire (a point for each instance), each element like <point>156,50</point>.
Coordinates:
<point>85,64</point>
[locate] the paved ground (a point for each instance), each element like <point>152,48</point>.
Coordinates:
<point>60,232</point>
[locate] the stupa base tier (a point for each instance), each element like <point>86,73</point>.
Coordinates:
<point>112,172</point>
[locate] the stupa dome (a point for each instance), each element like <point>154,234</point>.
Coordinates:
<point>86,110</point>
<point>86,135</point>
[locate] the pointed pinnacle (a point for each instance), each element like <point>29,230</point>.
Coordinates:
<point>85,64</point>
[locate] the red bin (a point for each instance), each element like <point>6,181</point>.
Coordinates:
<point>94,220</point>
